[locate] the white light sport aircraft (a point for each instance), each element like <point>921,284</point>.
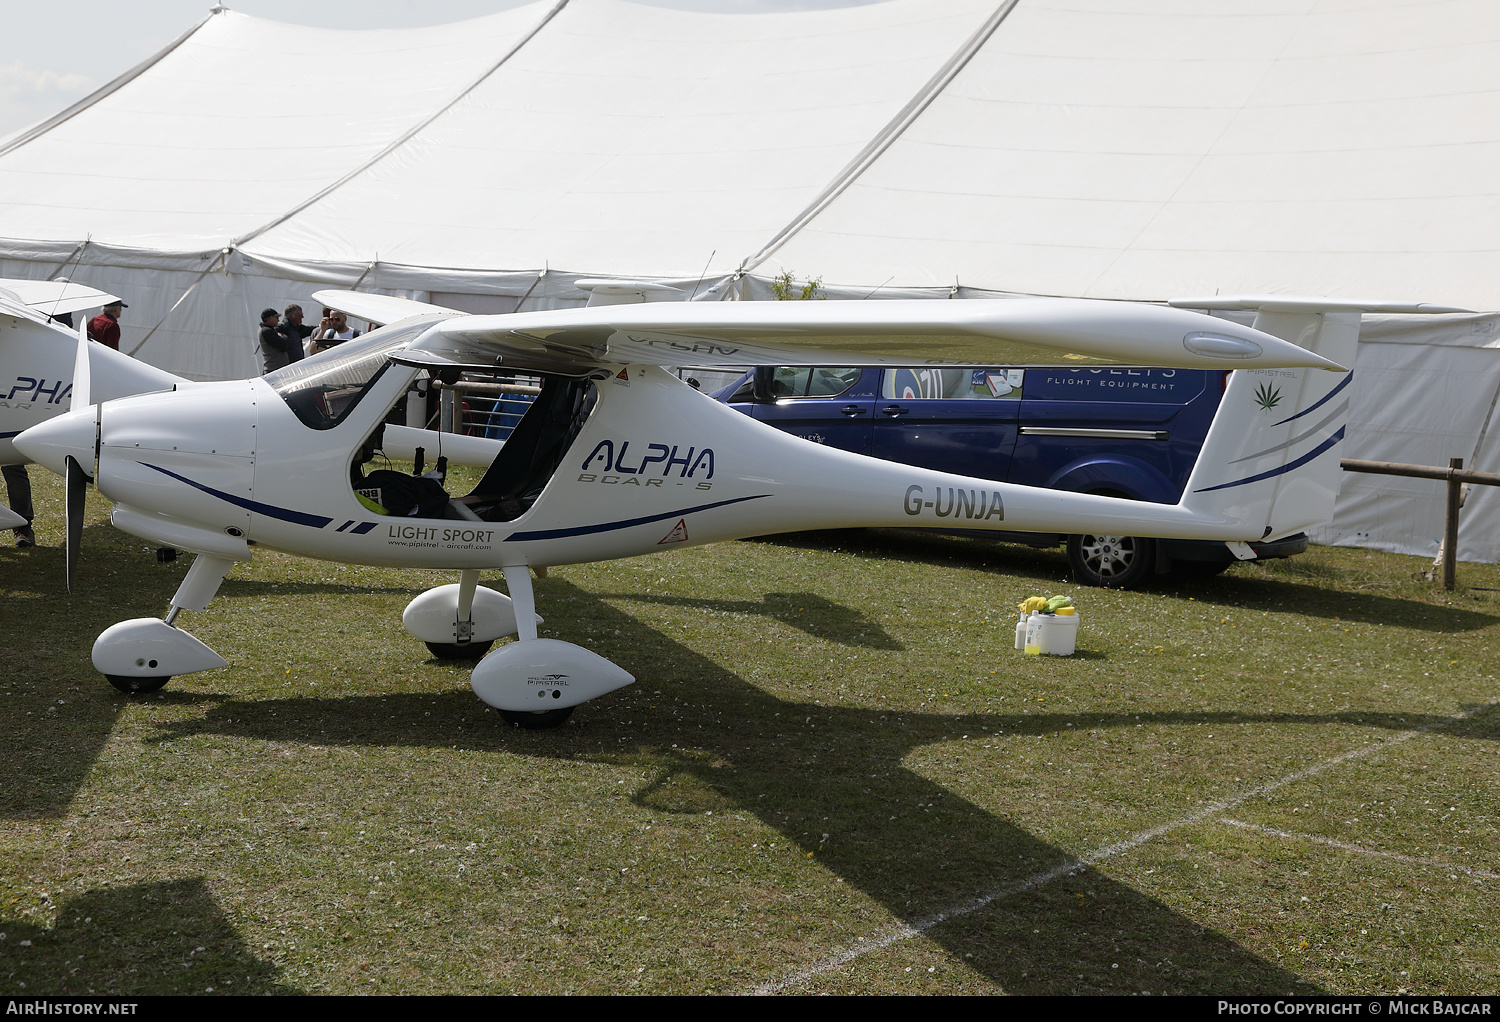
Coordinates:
<point>617,457</point>
<point>37,357</point>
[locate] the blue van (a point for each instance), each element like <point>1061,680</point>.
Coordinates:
<point>1124,432</point>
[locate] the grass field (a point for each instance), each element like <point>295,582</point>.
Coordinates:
<point>834,775</point>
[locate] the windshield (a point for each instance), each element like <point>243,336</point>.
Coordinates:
<point>323,389</point>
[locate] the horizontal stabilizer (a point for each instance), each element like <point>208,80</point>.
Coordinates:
<point>1306,304</point>
<point>379,308</point>
<point>622,292</point>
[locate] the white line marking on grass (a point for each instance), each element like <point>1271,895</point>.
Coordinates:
<point>1359,850</point>
<point>921,926</point>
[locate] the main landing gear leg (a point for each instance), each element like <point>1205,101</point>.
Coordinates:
<point>464,646</point>
<point>535,682</point>
<point>523,598</point>
<point>461,622</point>
<point>143,654</point>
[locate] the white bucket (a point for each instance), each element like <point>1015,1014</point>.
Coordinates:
<point>1056,634</point>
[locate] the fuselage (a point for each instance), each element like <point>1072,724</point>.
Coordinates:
<point>37,384</point>
<point>655,465</point>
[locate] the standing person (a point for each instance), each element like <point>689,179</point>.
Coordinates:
<point>272,340</point>
<point>18,495</point>
<point>105,327</point>
<point>296,332</point>
<point>334,329</point>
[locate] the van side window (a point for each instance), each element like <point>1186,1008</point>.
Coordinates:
<point>952,384</point>
<point>804,381</point>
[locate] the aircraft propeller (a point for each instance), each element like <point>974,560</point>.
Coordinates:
<point>78,477</point>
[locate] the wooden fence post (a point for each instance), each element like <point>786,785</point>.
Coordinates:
<point>1450,525</point>
<point>1455,476</point>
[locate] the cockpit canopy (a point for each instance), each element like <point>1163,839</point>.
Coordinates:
<point>323,390</point>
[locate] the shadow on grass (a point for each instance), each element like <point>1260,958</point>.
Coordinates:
<point>908,546</point>
<point>807,770</point>
<point>816,615</point>
<point>1314,600</point>
<point>153,938</point>
<point>233,588</point>
<point>56,712</point>
<point>1309,593</point>
<point>38,571</point>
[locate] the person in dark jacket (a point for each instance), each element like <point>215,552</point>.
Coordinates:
<point>272,340</point>
<point>296,332</point>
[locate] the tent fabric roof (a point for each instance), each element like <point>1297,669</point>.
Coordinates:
<point>1160,147</point>
<point>235,125</point>
<point>1108,148</point>
<point>639,139</point>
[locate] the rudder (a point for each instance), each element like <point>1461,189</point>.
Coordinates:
<point>1270,461</point>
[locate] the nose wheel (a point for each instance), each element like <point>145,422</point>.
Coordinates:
<point>454,651</point>
<point>137,686</point>
<point>537,721</point>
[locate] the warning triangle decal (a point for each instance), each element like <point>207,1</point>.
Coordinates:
<point>677,535</point>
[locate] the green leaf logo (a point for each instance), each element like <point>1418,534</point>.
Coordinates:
<point>1267,396</point>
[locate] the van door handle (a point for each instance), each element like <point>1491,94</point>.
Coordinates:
<point>894,410</point>
<point>851,409</point>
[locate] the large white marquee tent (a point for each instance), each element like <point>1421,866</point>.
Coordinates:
<point>1129,149</point>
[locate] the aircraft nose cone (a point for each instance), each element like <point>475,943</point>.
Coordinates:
<point>50,443</point>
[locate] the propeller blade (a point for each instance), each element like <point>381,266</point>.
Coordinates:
<point>78,481</point>
<point>82,382</point>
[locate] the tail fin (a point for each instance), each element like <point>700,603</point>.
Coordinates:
<point>1271,458</point>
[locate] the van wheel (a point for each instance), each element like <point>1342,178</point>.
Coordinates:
<point>1113,562</point>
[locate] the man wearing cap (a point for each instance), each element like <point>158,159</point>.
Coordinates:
<point>273,343</point>
<point>105,327</point>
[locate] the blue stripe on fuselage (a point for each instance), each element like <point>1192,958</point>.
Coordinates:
<point>1349,376</point>
<point>269,510</point>
<point>1309,456</point>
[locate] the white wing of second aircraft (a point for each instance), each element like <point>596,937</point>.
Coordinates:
<point>53,297</point>
<point>1021,331</point>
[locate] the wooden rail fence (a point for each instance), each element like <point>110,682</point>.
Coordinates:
<point>1455,476</point>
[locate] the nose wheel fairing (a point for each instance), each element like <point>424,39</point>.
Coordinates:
<point>144,653</point>
<point>461,622</point>
<point>543,675</point>
<point>141,654</point>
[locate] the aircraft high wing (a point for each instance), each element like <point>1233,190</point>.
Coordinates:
<point>1021,331</point>
<point>617,457</point>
